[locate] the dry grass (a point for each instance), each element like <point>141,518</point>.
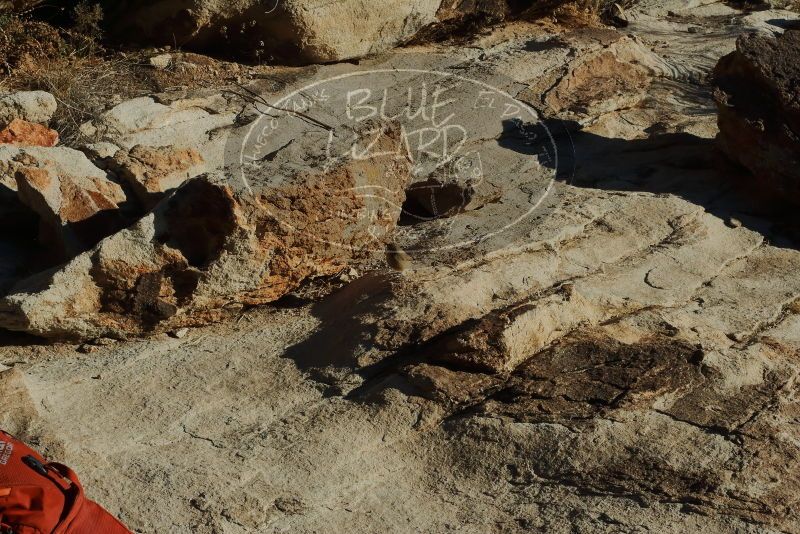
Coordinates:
<point>84,77</point>
<point>71,64</point>
<point>83,87</point>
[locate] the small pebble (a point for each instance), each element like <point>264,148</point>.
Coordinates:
<point>397,258</point>
<point>733,222</point>
<point>161,61</point>
<point>738,337</point>
<point>180,333</point>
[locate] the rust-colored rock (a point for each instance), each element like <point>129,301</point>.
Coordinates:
<point>153,171</point>
<point>24,133</point>
<point>76,203</point>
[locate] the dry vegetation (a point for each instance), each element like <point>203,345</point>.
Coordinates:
<point>84,75</point>
<point>69,63</point>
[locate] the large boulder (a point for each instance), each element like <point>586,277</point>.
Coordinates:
<point>757,91</point>
<point>294,30</point>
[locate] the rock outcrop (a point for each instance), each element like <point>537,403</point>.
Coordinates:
<point>586,329</point>
<point>215,242</point>
<point>758,98</point>
<point>295,30</point>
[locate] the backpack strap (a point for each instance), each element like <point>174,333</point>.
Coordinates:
<point>75,495</point>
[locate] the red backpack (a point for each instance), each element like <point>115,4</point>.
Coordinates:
<point>37,497</point>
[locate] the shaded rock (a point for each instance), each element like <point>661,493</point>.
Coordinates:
<point>458,186</point>
<point>151,172</point>
<point>294,30</point>
<point>758,101</point>
<point>75,201</point>
<point>31,106</point>
<point>24,133</point>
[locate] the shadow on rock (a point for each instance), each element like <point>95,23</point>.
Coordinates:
<point>345,336</point>
<point>679,164</point>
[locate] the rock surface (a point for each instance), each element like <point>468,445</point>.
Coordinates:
<point>622,359</point>
<point>759,109</point>
<point>31,106</point>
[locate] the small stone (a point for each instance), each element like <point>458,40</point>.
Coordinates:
<point>733,222</point>
<point>87,348</point>
<point>290,505</point>
<point>31,106</point>
<point>694,29</point>
<point>161,61</point>
<point>397,258</point>
<point>349,276</point>
<point>180,333</point>
<point>100,151</point>
<point>104,342</point>
<point>738,337</point>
